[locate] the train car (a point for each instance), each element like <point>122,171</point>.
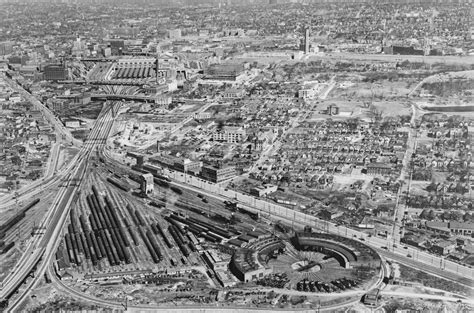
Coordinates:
<point>132,215</point>
<point>104,248</point>
<point>148,245</point>
<point>10,223</point>
<point>152,169</point>
<point>163,235</point>
<point>7,247</point>
<point>93,218</point>
<point>85,245</point>
<point>154,244</point>
<point>82,222</point>
<point>157,205</point>
<point>72,217</point>
<point>90,247</point>
<point>116,245</point>
<point>125,240</point>
<point>210,238</point>
<point>161,182</point>
<point>153,228</point>
<point>110,216</point>
<point>140,218</point>
<point>80,247</point>
<point>253,215</point>
<point>118,184</point>
<point>69,248</point>
<point>95,245</point>
<point>112,210</point>
<point>134,236</point>
<point>176,190</point>
<point>109,243</point>
<point>173,222</point>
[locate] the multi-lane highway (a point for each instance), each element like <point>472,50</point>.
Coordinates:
<point>41,248</point>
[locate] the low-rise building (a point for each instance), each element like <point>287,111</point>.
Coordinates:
<point>443,247</point>
<point>438,227</point>
<point>72,123</point>
<point>462,228</point>
<point>233,93</point>
<point>379,169</point>
<point>214,261</point>
<point>264,190</point>
<point>245,266</point>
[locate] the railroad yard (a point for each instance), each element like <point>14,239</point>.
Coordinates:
<point>220,156</point>
<point>117,245</point>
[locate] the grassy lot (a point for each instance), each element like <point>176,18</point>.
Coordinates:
<point>410,274</point>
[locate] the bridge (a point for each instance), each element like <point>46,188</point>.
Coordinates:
<point>119,97</point>
<point>107,82</point>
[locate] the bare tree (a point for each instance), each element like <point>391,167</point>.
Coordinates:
<point>375,114</point>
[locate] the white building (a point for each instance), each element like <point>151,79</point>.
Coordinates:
<point>230,135</point>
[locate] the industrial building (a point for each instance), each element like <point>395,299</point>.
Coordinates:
<point>55,72</point>
<point>216,174</point>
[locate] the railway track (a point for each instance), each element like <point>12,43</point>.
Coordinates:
<point>41,248</point>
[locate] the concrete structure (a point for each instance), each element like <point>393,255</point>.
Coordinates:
<point>147,184</point>
<point>379,169</point>
<point>349,253</point>
<point>55,72</point>
<point>163,100</point>
<point>372,298</point>
<point>223,72</point>
<point>117,47</point>
<point>305,42</point>
<point>462,228</point>
<point>174,33</point>
<point>214,261</point>
<point>332,109</point>
<point>224,278</point>
<point>261,191</point>
<point>230,135</point>
<point>232,93</point>
<point>72,123</point>
<point>187,165</point>
<point>6,47</point>
<point>443,247</point>
<point>217,175</point>
<point>245,266</point>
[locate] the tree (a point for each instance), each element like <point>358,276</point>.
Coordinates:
<point>468,217</point>
<point>375,114</point>
<point>424,214</point>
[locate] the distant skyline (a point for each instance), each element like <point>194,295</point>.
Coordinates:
<point>238,2</point>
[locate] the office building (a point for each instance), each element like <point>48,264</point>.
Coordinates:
<point>305,43</point>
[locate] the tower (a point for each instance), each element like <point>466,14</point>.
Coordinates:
<point>157,64</point>
<point>147,184</point>
<point>305,42</point>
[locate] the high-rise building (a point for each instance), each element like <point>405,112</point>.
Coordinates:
<point>6,47</point>
<point>305,43</point>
